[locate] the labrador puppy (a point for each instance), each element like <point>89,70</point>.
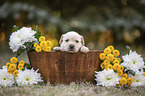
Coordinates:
<point>71,42</point>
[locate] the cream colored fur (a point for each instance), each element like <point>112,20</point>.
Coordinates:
<point>72,39</point>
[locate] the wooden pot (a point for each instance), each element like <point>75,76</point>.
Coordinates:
<point>64,67</point>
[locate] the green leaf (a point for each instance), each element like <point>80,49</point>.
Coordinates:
<point>38,34</point>
<point>143,69</point>
<point>128,49</point>
<point>28,66</point>
<point>19,52</point>
<point>121,61</point>
<point>15,28</point>
<point>131,72</point>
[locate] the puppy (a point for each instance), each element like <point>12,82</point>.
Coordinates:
<point>72,42</point>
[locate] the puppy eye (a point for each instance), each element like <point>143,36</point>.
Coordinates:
<point>66,40</point>
<point>77,41</point>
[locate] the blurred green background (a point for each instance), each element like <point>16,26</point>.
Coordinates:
<point>101,22</point>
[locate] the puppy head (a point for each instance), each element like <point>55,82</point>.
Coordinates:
<point>71,41</point>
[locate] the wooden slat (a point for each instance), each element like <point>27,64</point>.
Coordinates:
<point>64,67</point>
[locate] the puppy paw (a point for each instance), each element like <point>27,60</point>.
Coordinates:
<point>57,48</point>
<point>84,49</point>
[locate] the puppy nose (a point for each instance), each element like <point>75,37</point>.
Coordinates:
<point>71,46</point>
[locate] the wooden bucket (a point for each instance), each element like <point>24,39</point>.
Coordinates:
<point>64,67</point>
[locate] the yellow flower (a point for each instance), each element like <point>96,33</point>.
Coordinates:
<point>48,49</point>
<point>109,66</point>
<point>124,75</point>
<point>118,85</point>
<point>116,61</point>
<point>102,66</point>
<point>106,62</point>
<point>111,47</point>
<point>120,67</point>
<point>102,56</point>
<point>123,81</point>
<point>115,66</point>
<point>129,80</point>
<point>41,38</point>
<point>44,48</point>
<point>119,72</point>
<point>8,64</point>
<point>36,44</point>
<point>21,62</point>
<point>43,44</point>
<point>13,60</point>
<point>119,59</point>
<point>15,73</point>
<point>116,53</point>
<point>110,57</point>
<point>144,74</point>
<point>49,43</point>
<point>9,71</point>
<point>12,67</point>
<point>107,50</point>
<point>38,49</point>
<point>20,66</point>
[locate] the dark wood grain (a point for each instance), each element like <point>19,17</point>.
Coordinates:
<point>64,67</point>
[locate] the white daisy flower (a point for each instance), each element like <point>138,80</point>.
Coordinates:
<point>133,61</point>
<point>138,79</point>
<point>27,34</point>
<point>19,37</point>
<point>15,41</point>
<point>28,77</point>
<point>6,79</point>
<point>107,78</point>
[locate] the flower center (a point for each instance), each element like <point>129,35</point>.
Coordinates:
<point>108,78</point>
<point>27,79</point>
<point>137,80</point>
<point>4,79</point>
<point>134,62</point>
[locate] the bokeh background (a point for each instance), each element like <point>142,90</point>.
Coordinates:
<point>101,22</point>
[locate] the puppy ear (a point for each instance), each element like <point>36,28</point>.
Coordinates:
<point>83,42</point>
<point>60,39</point>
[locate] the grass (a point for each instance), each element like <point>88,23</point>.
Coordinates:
<point>83,89</point>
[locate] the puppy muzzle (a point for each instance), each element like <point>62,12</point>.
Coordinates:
<point>71,47</point>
